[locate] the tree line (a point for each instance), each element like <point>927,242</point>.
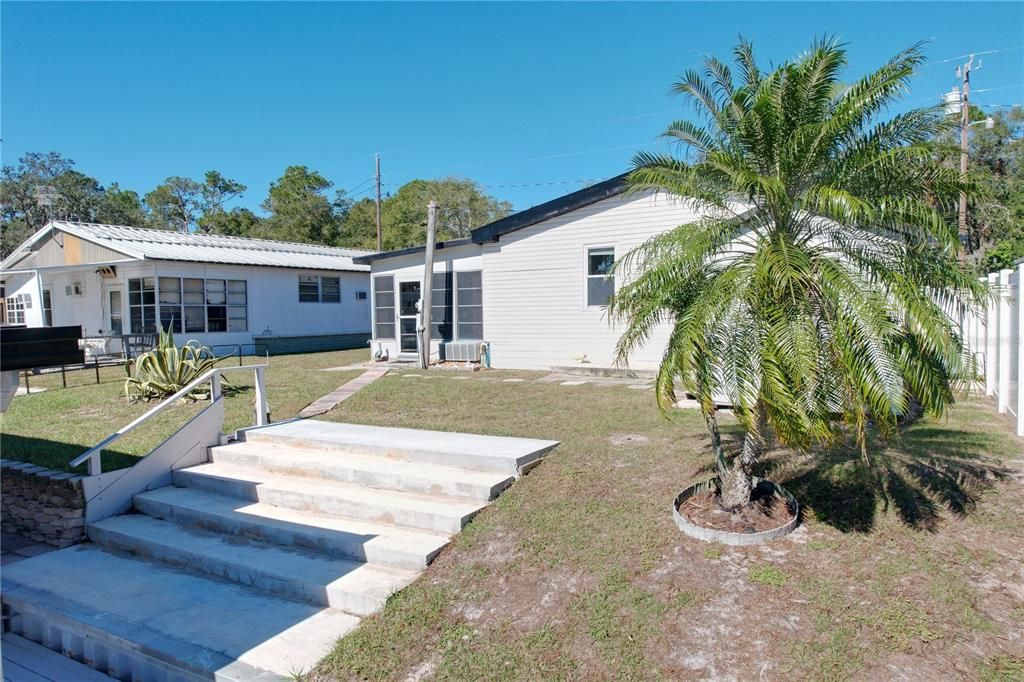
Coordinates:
<point>299,206</point>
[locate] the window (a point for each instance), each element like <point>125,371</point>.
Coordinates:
<point>361,296</point>
<point>216,306</point>
<point>330,290</point>
<point>469,301</point>
<point>441,307</point>
<point>194,298</point>
<point>238,305</point>
<point>170,303</point>
<point>314,289</point>
<point>16,306</point>
<point>142,305</point>
<point>193,304</point>
<point>600,281</point>
<point>47,308</point>
<point>116,314</point>
<point>384,307</point>
<point>309,289</point>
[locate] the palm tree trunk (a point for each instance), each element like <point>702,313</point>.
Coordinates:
<point>738,483</point>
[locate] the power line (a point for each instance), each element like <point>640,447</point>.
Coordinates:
<point>979,54</point>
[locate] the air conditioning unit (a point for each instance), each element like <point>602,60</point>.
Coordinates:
<point>461,351</point>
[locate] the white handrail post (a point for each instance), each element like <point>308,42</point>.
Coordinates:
<point>214,387</point>
<point>261,397</point>
<point>95,468</point>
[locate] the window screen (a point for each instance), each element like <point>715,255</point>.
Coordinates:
<point>441,307</point>
<point>470,302</point>
<point>384,306</point>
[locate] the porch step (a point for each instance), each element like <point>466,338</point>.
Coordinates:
<point>25,661</point>
<point>370,471</point>
<point>140,620</point>
<point>357,539</point>
<point>463,450</point>
<point>413,510</point>
<point>317,578</point>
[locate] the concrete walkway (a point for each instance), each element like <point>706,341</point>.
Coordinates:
<point>343,392</point>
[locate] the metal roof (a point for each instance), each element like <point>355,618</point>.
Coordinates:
<point>146,244</point>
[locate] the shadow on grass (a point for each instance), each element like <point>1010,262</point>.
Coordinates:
<point>920,476</point>
<point>57,455</point>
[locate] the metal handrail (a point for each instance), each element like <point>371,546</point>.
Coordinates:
<point>213,376</point>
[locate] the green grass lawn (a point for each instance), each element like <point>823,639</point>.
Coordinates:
<point>910,563</point>
<point>51,427</point>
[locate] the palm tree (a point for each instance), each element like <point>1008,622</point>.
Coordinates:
<point>818,291</point>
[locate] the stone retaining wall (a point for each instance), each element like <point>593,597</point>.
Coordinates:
<point>41,504</point>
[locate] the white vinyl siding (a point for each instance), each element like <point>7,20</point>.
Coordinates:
<point>535,299</point>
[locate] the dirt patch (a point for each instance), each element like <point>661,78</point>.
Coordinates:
<point>766,511</point>
<point>625,439</point>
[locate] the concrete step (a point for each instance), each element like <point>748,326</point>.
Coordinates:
<point>141,620</point>
<point>412,510</point>
<point>462,450</point>
<point>370,471</point>
<point>352,586</point>
<point>375,543</point>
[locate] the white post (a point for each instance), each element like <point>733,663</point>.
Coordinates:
<point>1003,313</point>
<point>214,387</point>
<point>991,337</point>
<point>1019,349</point>
<point>261,397</point>
<point>95,468</point>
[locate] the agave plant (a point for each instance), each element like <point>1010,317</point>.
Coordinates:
<point>167,369</point>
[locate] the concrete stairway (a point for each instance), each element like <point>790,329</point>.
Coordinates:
<point>251,566</point>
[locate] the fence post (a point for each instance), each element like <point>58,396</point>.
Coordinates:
<point>28,389</point>
<point>63,377</point>
<point>991,336</point>
<point>96,361</point>
<point>1019,348</point>
<point>1003,364</point>
<point>261,397</point>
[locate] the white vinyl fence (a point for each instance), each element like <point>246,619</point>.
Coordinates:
<point>997,341</point>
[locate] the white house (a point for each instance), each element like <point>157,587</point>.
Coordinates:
<point>530,288</point>
<point>221,291</point>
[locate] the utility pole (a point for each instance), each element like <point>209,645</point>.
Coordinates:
<point>426,290</point>
<point>379,239</point>
<point>965,114</point>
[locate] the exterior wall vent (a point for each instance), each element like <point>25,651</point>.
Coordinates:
<point>461,351</point>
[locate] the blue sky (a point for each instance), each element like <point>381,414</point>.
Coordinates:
<point>508,94</point>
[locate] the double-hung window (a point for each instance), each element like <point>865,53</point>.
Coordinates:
<point>16,306</point>
<point>142,305</point>
<point>600,280</point>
